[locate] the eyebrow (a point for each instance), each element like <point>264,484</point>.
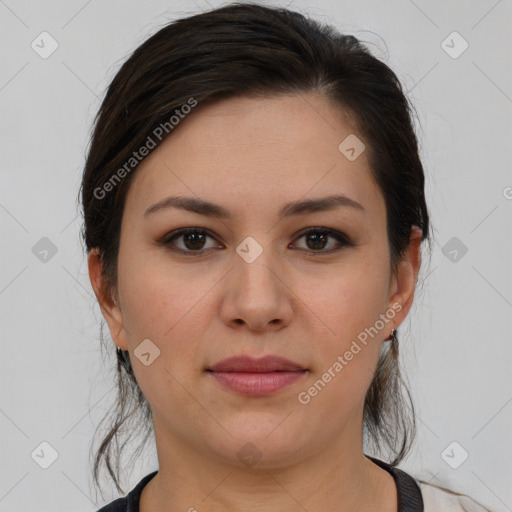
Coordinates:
<point>294,208</point>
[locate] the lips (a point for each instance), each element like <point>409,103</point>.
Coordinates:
<point>256,377</point>
<point>262,365</point>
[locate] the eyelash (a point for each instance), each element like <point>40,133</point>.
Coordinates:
<point>342,239</point>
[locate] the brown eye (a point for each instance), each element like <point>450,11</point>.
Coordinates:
<point>317,240</point>
<point>192,240</point>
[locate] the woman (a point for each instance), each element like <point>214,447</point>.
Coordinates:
<point>254,212</point>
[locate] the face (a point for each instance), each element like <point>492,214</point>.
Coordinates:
<point>254,282</point>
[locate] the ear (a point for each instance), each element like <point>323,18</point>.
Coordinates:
<point>109,307</point>
<point>403,282</point>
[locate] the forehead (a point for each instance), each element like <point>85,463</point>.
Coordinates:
<point>260,151</point>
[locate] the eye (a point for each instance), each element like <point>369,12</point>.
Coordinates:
<point>193,240</point>
<point>317,238</point>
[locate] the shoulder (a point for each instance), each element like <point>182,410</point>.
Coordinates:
<point>119,505</point>
<point>130,502</point>
<point>439,500</point>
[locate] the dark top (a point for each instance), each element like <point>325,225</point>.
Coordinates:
<point>409,494</point>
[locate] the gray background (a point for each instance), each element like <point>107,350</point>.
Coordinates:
<point>55,386</point>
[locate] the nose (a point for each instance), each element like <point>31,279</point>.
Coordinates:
<point>256,297</point>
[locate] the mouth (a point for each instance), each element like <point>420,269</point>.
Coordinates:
<point>264,376</point>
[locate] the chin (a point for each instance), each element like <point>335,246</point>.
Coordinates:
<point>261,443</point>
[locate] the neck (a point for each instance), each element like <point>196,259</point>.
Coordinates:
<point>337,478</point>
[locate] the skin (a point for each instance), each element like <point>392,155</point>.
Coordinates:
<point>252,156</point>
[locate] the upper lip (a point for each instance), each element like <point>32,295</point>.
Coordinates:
<point>265,364</point>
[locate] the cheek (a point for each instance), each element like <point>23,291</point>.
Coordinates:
<point>157,298</point>
<point>164,307</point>
<point>172,309</point>
<point>351,299</point>
<point>350,305</point>
<point>346,359</point>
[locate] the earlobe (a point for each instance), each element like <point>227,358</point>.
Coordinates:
<point>109,308</point>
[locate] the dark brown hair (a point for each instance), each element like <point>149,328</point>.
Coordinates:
<point>256,51</point>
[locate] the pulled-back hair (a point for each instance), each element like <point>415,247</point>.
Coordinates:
<point>256,51</point>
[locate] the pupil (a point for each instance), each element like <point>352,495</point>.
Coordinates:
<point>191,235</point>
<point>317,236</point>
<point>195,240</point>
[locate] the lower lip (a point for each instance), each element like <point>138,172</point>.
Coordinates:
<point>256,384</point>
